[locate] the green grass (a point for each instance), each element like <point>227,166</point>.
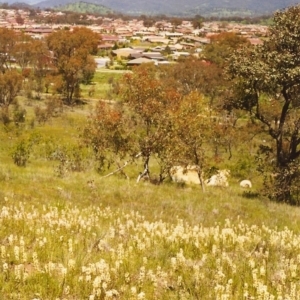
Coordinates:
<point>100,84</point>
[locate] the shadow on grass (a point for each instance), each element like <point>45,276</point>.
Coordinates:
<point>250,195</point>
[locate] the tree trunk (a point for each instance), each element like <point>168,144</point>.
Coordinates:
<point>283,186</point>
<point>288,171</point>
<point>201,181</point>
<point>146,172</point>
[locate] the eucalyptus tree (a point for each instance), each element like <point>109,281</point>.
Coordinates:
<point>10,79</point>
<point>72,52</point>
<point>23,50</point>
<point>221,47</point>
<point>150,104</point>
<point>10,85</point>
<point>137,127</point>
<point>193,74</point>
<point>8,40</point>
<point>267,86</point>
<point>153,122</point>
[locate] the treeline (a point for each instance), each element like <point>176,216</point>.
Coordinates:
<point>81,18</point>
<point>264,19</point>
<point>63,60</point>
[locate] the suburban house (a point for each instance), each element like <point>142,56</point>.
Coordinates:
<point>139,61</point>
<point>155,56</point>
<point>124,52</point>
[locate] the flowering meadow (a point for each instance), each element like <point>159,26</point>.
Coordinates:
<point>94,252</point>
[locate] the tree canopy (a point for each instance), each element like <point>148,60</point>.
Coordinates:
<point>222,46</point>
<point>159,120</point>
<point>71,55</point>
<point>267,85</point>
<point>8,39</point>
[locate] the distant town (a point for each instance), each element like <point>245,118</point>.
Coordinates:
<point>181,39</point>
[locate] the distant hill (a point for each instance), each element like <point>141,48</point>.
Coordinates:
<point>85,7</point>
<point>181,8</point>
<point>20,4</point>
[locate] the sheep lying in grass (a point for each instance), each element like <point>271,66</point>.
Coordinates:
<point>219,179</point>
<point>189,175</point>
<point>246,183</point>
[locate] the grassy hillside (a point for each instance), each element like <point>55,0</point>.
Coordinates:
<point>240,8</point>
<point>85,7</point>
<point>68,232</point>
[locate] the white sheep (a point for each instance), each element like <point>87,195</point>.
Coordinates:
<point>190,175</point>
<point>246,183</point>
<point>187,174</point>
<point>220,179</point>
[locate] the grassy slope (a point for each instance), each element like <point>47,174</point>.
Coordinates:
<point>164,201</point>
<point>38,183</point>
<point>67,225</point>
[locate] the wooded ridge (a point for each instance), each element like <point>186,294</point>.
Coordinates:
<point>220,8</point>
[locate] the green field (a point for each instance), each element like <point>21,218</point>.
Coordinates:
<point>69,232</point>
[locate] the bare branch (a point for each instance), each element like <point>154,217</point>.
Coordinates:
<point>122,167</point>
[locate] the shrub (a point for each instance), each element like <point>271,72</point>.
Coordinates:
<point>243,168</point>
<point>91,91</point>
<point>41,115</point>
<point>19,115</point>
<point>54,107</point>
<point>21,153</point>
<point>4,115</point>
<point>71,159</point>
